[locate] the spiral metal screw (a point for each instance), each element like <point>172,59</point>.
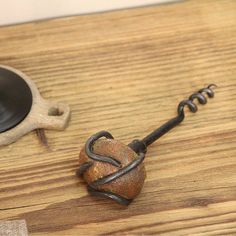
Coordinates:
<point>138,146</point>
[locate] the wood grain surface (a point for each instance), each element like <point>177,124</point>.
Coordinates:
<point>125,72</point>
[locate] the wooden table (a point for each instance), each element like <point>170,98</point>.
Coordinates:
<point>125,72</point>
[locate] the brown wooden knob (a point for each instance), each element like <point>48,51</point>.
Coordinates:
<point>124,188</point>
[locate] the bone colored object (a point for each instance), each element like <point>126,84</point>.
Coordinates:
<point>13,228</point>
<point>43,114</point>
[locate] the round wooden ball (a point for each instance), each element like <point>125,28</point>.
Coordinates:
<point>128,185</point>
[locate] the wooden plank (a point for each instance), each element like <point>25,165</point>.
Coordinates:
<point>125,72</point>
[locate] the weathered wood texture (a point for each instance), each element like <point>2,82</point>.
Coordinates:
<point>125,72</point>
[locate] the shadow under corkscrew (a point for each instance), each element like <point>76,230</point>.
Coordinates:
<point>138,146</point>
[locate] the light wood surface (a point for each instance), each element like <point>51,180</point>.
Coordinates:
<point>125,72</point>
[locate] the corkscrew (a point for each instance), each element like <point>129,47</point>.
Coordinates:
<point>115,170</point>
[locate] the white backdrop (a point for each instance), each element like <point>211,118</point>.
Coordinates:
<point>18,11</point>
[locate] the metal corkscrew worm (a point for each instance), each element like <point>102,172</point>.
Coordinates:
<point>114,170</point>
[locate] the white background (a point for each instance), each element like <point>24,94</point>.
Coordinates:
<point>18,11</point>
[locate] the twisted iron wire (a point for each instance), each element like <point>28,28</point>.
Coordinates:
<point>139,146</point>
